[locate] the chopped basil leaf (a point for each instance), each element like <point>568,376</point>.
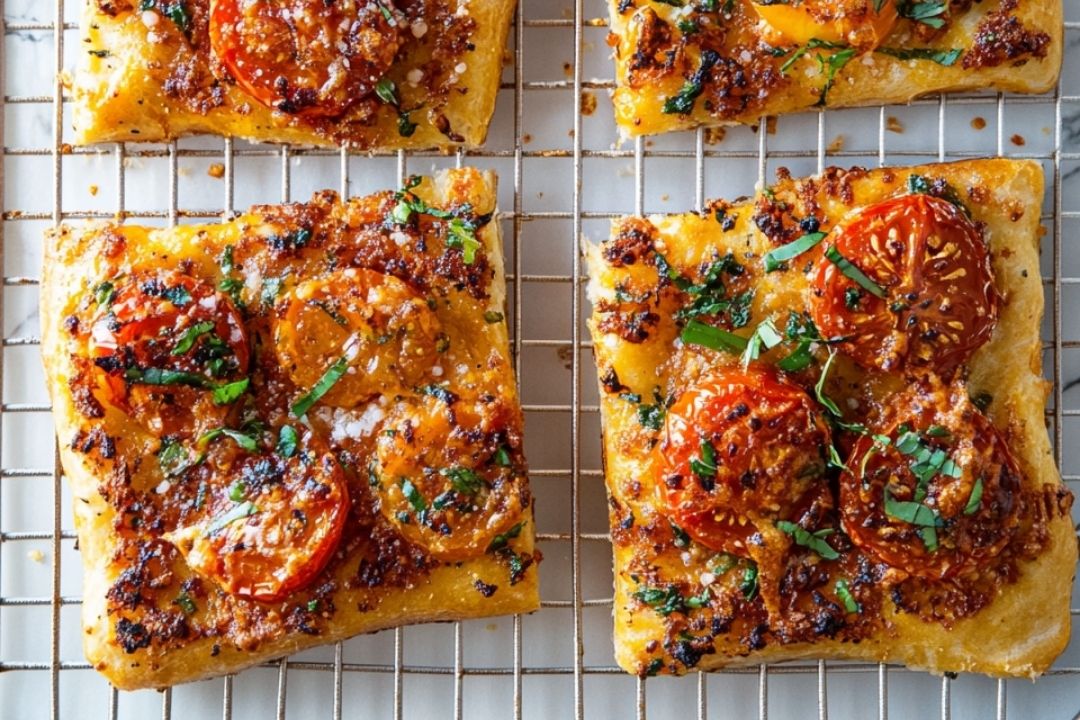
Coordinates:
<point>774,259</point>
<point>705,466</point>
<point>329,378</point>
<point>910,512</point>
<point>187,605</point>
<point>416,500</point>
<point>178,295</point>
<point>236,512</point>
<point>175,458</point>
<point>245,441</point>
<point>103,293</point>
<point>490,316</point>
<point>749,584</point>
<point>714,338</point>
<point>843,592</point>
<point>944,58</point>
<point>162,376</point>
<point>975,498</point>
<point>271,288</point>
<point>463,480</point>
<point>852,272</point>
<point>927,12</point>
<point>237,491</point>
<point>463,235</point>
<point>386,91</point>
<point>287,439</point>
<point>313,606</point>
<point>765,334</point>
<point>502,457</point>
<point>651,416</point>
<point>503,539</point>
<point>190,336</point>
<point>799,359</point>
<point>682,103</point>
<point>229,392</point>
<point>813,540</point>
<point>819,387</point>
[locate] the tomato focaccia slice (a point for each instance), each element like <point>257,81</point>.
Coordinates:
<point>823,426</point>
<point>288,429</point>
<point>368,74</point>
<point>718,62</point>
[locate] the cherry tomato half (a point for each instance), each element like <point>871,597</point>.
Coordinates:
<point>738,446</point>
<point>940,304</point>
<point>445,479</point>
<point>941,498</point>
<point>385,330</point>
<point>271,525</point>
<point>306,57</point>
<point>858,23</point>
<point>166,332</point>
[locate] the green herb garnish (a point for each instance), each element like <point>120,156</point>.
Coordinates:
<point>329,378</point>
<point>813,540</point>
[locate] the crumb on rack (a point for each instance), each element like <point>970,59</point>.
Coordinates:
<point>216,170</point>
<point>893,124</point>
<point>588,103</point>
<point>978,122</point>
<point>836,145</point>
<point>93,190</point>
<point>1018,140</point>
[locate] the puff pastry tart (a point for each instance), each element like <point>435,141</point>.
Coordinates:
<point>823,426</point>
<point>369,74</point>
<point>287,429</point>
<point>684,63</point>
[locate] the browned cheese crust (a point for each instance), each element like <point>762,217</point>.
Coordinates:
<point>681,67</point>
<point>151,75</point>
<point>680,605</point>
<point>148,619</point>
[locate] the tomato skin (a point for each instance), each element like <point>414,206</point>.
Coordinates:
<point>305,57</point>
<point>149,320</point>
<point>849,22</point>
<point>388,330</point>
<point>970,534</point>
<point>940,302</point>
<point>299,508</point>
<point>768,438</point>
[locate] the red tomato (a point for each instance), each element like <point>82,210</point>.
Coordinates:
<point>306,57</point>
<point>271,525</point>
<point>940,304</point>
<point>969,507</point>
<point>166,332</point>
<point>858,23</point>
<point>737,446</point>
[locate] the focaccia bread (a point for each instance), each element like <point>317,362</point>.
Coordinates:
<point>368,74</point>
<point>288,429</point>
<point>823,426</point>
<point>718,62</point>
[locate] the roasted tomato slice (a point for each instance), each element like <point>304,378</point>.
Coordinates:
<point>858,23</point>
<point>932,267</point>
<point>446,475</point>
<point>941,498</point>
<point>272,524</point>
<point>306,57</point>
<point>166,333</point>
<point>738,447</point>
<point>387,334</point>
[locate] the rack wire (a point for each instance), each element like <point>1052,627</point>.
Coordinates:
<point>42,673</point>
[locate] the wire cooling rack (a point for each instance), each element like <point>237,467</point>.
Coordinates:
<point>562,180</point>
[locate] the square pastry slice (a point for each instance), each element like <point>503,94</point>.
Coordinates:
<point>718,62</point>
<point>288,429</point>
<point>368,74</point>
<point>823,426</point>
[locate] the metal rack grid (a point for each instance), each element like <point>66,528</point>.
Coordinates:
<point>577,680</point>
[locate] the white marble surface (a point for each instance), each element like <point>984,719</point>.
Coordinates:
<point>546,247</point>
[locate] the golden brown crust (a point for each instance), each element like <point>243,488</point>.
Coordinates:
<point>1010,45</point>
<point>139,83</point>
<point>1026,622</point>
<point>138,631</point>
